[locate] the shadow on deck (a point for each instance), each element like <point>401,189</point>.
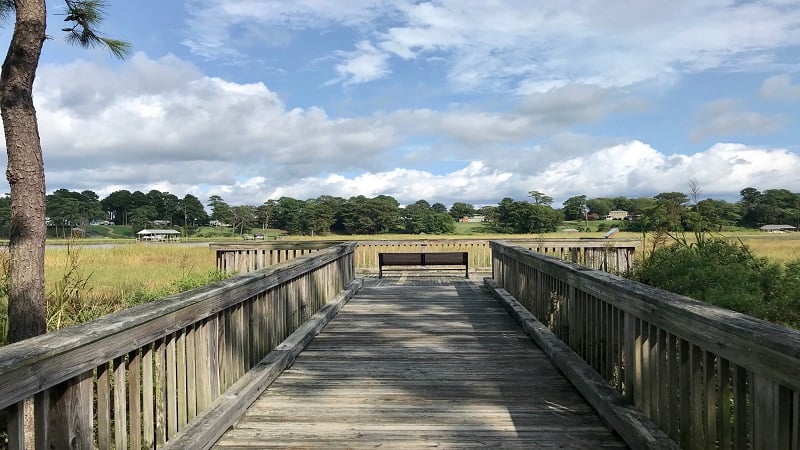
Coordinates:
<point>418,361</point>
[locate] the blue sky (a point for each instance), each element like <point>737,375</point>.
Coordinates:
<point>450,100</point>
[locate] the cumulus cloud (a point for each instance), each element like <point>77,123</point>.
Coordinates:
<point>476,181</point>
<point>162,123</point>
<point>631,169</point>
<point>780,87</point>
<point>161,119</point>
<point>725,117</point>
<point>637,169</point>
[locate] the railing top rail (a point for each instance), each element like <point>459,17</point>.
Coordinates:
<point>38,363</point>
<point>318,244</point>
<point>755,344</point>
<point>276,245</point>
<point>578,242</point>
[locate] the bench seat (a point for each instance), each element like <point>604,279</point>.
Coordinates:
<point>424,260</point>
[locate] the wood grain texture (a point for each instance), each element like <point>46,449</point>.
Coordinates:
<point>708,376</point>
<point>413,362</point>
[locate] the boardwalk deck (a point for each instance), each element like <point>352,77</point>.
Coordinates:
<point>421,362</point>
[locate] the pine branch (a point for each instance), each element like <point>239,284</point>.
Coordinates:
<point>85,16</point>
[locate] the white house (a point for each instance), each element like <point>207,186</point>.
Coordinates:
<point>616,214</point>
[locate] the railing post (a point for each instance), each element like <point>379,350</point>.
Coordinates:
<point>16,426</point>
<point>69,416</point>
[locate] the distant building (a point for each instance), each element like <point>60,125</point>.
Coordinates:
<point>158,235</point>
<point>617,214</point>
<point>473,218</point>
<point>778,228</point>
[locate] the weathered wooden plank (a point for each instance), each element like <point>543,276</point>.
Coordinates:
<point>673,393</point>
<point>190,348</point>
<point>120,404</point>
<point>741,417</point>
<point>180,380</point>
<point>710,376</point>
<point>637,430</point>
<point>160,392</point>
<point>202,373</point>
<point>696,396</point>
<point>15,426</point>
<point>135,399</point>
<point>413,383</point>
<point>172,385</point>
<point>724,399</point>
<point>71,413</point>
<point>211,423</point>
<point>148,399</point>
<point>103,407</point>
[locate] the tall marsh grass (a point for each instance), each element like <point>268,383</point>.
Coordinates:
<point>120,271</point>
<point>86,282</point>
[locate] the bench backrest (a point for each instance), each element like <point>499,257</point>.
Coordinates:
<point>420,259</point>
<point>405,259</point>
<point>446,258</point>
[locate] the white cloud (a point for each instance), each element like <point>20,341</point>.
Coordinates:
<point>724,118</point>
<point>631,169</point>
<point>780,87</point>
<point>517,45</point>
<point>161,123</point>
<point>366,63</point>
<point>475,181</point>
<point>637,169</point>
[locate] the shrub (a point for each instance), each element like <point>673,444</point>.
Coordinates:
<point>726,274</point>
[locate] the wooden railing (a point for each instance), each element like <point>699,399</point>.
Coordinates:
<point>708,377</point>
<point>612,255</point>
<point>137,378</point>
<point>608,255</point>
<point>247,257</point>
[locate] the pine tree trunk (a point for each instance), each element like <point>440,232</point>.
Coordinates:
<point>27,314</point>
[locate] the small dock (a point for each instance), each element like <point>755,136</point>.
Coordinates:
<point>416,362</point>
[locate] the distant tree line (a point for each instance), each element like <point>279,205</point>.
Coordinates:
<point>669,211</point>
<point>676,211</point>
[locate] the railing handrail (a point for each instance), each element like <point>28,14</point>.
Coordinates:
<point>606,254</point>
<point>44,361</point>
<point>314,244</point>
<point>760,346</point>
<point>707,376</point>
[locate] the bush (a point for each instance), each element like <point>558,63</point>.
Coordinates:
<point>726,274</point>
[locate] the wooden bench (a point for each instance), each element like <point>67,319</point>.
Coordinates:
<point>423,259</point>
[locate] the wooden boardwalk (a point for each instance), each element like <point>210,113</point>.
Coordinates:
<point>416,362</point>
